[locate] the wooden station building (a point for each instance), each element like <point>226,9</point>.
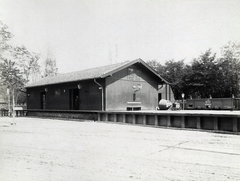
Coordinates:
<point>131,85</point>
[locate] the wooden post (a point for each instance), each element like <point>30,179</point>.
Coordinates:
<point>134,119</point>
<point>106,119</point>
<point>183,121</point>
<point>99,116</point>
<point>115,117</point>
<point>198,122</point>
<point>215,119</point>
<point>124,118</point>
<point>144,119</point>
<point>156,120</point>
<point>168,121</point>
<point>235,125</point>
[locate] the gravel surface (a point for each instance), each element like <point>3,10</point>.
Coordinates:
<point>36,149</point>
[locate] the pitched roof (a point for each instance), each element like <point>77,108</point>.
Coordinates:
<point>92,73</point>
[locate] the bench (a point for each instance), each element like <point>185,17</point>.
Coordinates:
<point>134,106</point>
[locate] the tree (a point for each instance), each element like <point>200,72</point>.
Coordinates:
<point>27,62</point>
<point>173,72</point>
<point>10,74</point>
<point>18,68</point>
<point>156,66</point>
<point>11,77</point>
<point>203,80</point>
<point>230,68</point>
<point>5,36</point>
<point>50,65</point>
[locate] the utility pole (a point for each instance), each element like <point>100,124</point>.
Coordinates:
<point>183,100</point>
<point>13,114</point>
<point>8,93</point>
<point>13,107</point>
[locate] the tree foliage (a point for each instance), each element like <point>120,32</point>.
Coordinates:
<point>5,36</point>
<point>20,66</point>
<point>206,76</point>
<point>202,80</point>
<point>230,65</point>
<point>50,65</point>
<point>10,74</point>
<point>27,62</point>
<point>11,78</point>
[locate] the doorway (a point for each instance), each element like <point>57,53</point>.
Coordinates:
<point>74,99</point>
<point>159,97</point>
<point>43,100</point>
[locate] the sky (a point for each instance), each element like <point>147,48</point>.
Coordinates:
<point>83,34</point>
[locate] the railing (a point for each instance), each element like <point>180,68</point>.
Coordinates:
<point>18,113</point>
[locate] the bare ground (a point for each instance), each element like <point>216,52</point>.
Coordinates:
<point>45,149</point>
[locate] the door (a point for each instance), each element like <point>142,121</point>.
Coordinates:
<point>43,100</point>
<point>74,99</point>
<point>159,97</point>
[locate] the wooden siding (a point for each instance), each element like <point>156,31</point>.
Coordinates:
<point>90,96</point>
<point>119,89</point>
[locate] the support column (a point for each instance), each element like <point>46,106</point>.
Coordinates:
<point>168,121</point>
<point>134,119</point>
<point>115,117</point>
<point>156,120</point>
<point>235,125</point>
<point>144,119</point>
<point>124,118</point>
<point>215,123</point>
<point>106,119</point>
<point>198,122</point>
<point>99,116</point>
<point>183,121</point>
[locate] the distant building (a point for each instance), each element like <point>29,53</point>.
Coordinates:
<point>112,87</point>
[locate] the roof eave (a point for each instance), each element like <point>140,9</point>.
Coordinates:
<point>61,82</point>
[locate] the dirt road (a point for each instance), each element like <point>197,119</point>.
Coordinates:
<point>46,149</point>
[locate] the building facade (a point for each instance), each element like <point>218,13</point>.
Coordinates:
<point>112,87</point>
